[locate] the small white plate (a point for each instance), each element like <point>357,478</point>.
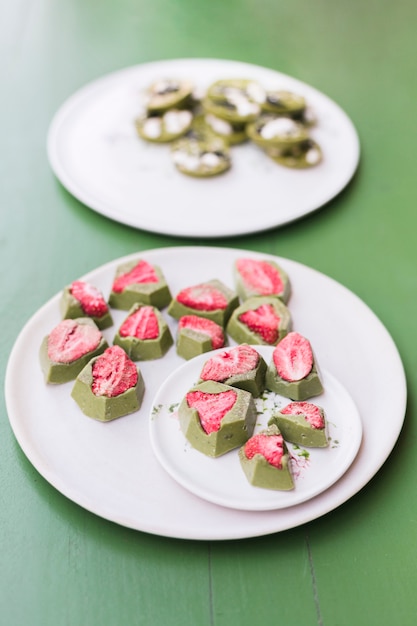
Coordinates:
<point>222,480</point>
<point>111,470</point>
<point>95,152</point>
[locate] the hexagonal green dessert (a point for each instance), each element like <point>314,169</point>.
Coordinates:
<point>80,299</point>
<point>217,418</point>
<point>262,320</point>
<point>110,386</point>
<point>212,300</point>
<point>302,423</point>
<point>292,371</point>
<point>240,366</point>
<point>196,335</point>
<point>139,281</point>
<point>68,348</point>
<point>261,277</point>
<point>265,460</point>
<point>144,334</point>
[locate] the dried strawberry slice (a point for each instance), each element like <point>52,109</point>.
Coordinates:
<point>310,411</point>
<point>260,276</point>
<point>89,297</point>
<point>293,357</point>
<point>232,362</point>
<point>264,321</point>
<point>202,297</point>
<point>113,373</point>
<point>271,447</point>
<point>205,326</point>
<point>142,324</point>
<point>71,340</point>
<point>143,272</point>
<point>211,407</point>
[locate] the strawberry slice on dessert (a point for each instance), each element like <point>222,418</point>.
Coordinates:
<point>240,366</point>
<point>144,334</point>
<point>302,423</point>
<point>81,299</point>
<point>260,320</point>
<point>211,300</point>
<point>258,277</point>
<point>197,335</point>
<point>141,282</point>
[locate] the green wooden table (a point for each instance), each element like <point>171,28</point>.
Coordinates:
<point>62,565</point>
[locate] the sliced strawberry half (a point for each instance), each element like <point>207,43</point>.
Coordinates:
<point>271,447</point>
<point>263,321</point>
<point>311,412</point>
<point>205,326</point>
<point>202,297</point>
<point>260,276</point>
<point>71,340</point>
<point>293,357</point>
<point>113,373</point>
<point>142,272</point>
<point>211,407</point>
<point>234,361</point>
<point>142,324</point>
<point>90,298</point>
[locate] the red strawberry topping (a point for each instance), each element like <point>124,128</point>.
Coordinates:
<point>143,272</point>
<point>142,324</point>
<point>204,326</point>
<point>113,373</point>
<point>310,411</point>
<point>263,321</point>
<point>211,407</point>
<point>293,357</point>
<point>271,447</point>
<point>237,360</point>
<point>71,340</point>
<point>202,297</point>
<point>260,276</point>
<point>90,299</point>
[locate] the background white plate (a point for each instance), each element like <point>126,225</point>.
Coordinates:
<point>110,469</point>
<point>95,153</point>
<point>222,480</point>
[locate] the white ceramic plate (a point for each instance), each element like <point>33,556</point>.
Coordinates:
<point>95,153</point>
<point>222,480</point>
<point>111,470</point>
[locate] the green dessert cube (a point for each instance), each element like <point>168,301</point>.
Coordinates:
<point>80,299</point>
<point>211,300</point>
<point>197,335</point>
<point>261,277</point>
<point>110,386</point>
<point>139,282</point>
<point>240,366</point>
<point>144,334</point>
<point>302,423</point>
<point>217,418</point>
<point>262,320</point>
<point>292,371</point>
<point>68,348</point>
<point>266,462</point>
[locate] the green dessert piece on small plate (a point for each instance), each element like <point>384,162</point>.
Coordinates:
<point>302,423</point>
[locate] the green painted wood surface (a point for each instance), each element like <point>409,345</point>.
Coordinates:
<point>62,566</point>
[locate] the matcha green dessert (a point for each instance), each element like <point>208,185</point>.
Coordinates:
<point>197,335</point>
<point>216,418</point>
<point>80,299</point>
<point>68,348</point>
<point>300,156</point>
<point>240,366</point>
<point>165,127</point>
<point>212,300</point>
<point>139,282</point>
<point>265,460</point>
<point>144,334</point>
<point>263,320</point>
<point>261,277</point>
<point>235,100</point>
<point>270,131</point>
<point>302,423</point>
<point>167,93</point>
<point>283,102</point>
<point>292,371</point>
<point>201,157</point>
<point>110,386</point>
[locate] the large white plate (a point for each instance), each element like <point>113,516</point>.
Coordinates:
<point>222,480</point>
<point>95,153</point>
<point>111,470</point>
